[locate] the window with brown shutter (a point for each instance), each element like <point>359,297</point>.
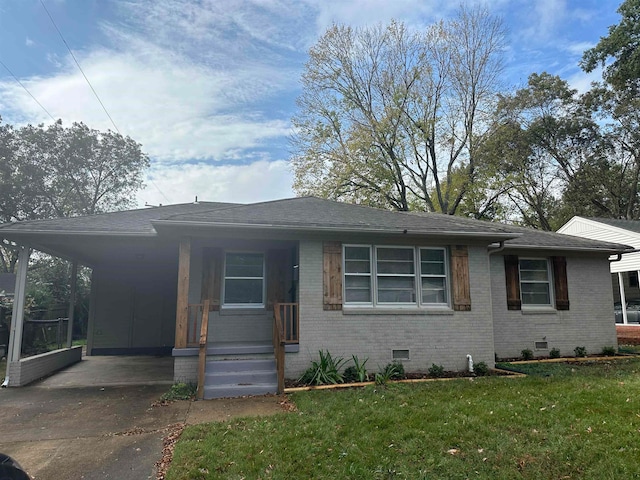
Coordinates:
<point>460,278</point>
<point>512,275</point>
<point>332,275</point>
<point>560,282</point>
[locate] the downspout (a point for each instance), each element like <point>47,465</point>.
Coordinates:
<point>497,249</point>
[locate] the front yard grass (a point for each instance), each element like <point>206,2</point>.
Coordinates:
<point>569,421</point>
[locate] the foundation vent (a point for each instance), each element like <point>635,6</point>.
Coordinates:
<point>542,345</point>
<point>401,354</point>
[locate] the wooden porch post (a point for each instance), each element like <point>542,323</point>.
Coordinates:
<point>17,314</point>
<point>184,261</point>
<point>72,303</point>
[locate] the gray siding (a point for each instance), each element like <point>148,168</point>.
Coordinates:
<point>589,322</point>
<point>443,338</point>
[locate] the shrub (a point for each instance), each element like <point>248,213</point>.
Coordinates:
<point>436,370</point>
<point>609,351</point>
<point>391,371</point>
<point>481,369</point>
<point>527,354</point>
<point>580,351</point>
<point>356,372</point>
<point>554,353</point>
<point>326,371</point>
<point>180,391</point>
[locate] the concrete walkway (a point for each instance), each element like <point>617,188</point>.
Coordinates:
<point>106,430</point>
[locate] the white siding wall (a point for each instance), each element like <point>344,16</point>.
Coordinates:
<point>443,339</point>
<point>589,322</point>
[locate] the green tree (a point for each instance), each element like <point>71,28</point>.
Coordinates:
<point>621,48</point>
<point>389,116</point>
<point>55,171</point>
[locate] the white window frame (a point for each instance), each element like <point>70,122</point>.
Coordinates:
<point>400,275</point>
<point>373,267</point>
<point>549,282</point>
<point>224,280</point>
<point>345,274</point>
<point>446,275</point>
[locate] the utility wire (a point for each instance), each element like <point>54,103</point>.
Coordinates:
<point>26,90</point>
<point>91,86</point>
<point>79,67</point>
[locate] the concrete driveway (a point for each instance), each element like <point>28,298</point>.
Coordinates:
<point>102,431</point>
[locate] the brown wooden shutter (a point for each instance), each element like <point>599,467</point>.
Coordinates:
<point>332,275</point>
<point>212,277</point>
<point>277,260</point>
<point>560,282</point>
<point>460,278</point>
<point>512,274</point>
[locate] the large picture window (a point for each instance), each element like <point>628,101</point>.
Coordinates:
<point>395,275</point>
<point>244,279</point>
<point>535,281</point>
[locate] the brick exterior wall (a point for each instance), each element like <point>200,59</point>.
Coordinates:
<point>589,322</point>
<point>185,369</point>
<point>440,337</point>
<point>29,369</point>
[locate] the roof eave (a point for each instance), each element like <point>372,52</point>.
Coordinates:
<point>169,224</point>
<point>66,233</point>
<point>608,251</point>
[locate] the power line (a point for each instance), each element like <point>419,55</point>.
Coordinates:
<point>91,86</point>
<point>26,90</point>
<point>79,67</point>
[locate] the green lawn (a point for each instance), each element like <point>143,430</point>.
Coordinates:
<point>565,422</point>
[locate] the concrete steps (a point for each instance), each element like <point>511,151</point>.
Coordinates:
<point>236,377</point>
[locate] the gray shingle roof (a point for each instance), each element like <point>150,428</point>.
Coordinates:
<point>303,213</point>
<point>128,222</point>
<point>311,213</point>
<point>631,225</point>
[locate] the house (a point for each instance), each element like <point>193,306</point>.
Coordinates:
<point>305,274</point>
<point>625,269</point>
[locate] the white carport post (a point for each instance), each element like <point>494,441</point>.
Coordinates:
<point>72,303</point>
<point>623,298</point>
<point>17,314</point>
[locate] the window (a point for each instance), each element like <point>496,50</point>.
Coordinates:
<point>403,276</point>
<point>244,279</point>
<point>357,274</point>
<point>535,281</point>
<point>395,275</point>
<point>433,275</point>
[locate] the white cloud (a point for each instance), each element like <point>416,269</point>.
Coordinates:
<point>29,43</point>
<point>256,182</point>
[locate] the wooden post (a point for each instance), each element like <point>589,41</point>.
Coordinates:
<point>72,303</point>
<point>202,354</point>
<point>182,309</point>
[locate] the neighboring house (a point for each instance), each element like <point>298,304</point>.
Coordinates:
<point>353,280</point>
<point>625,269</point>
<point>7,284</point>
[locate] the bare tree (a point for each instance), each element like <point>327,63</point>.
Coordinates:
<point>389,115</point>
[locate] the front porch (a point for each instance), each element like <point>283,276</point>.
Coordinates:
<point>233,341</point>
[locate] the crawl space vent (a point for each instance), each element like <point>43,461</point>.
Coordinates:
<point>542,345</point>
<point>401,354</point>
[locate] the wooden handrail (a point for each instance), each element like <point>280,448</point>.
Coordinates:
<point>202,354</point>
<point>285,330</point>
<point>278,346</point>
<point>194,314</point>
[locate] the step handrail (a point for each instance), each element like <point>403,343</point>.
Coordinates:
<point>278,346</point>
<point>202,353</point>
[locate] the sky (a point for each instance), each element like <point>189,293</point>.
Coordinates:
<point>209,87</point>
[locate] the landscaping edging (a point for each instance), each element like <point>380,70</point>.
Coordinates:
<point>502,372</point>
